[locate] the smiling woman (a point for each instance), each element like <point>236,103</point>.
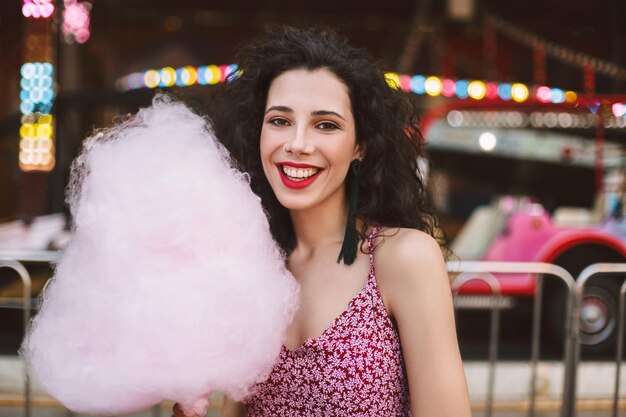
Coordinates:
<point>306,141</point>
<point>333,152</point>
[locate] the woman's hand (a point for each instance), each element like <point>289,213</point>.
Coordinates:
<point>177,411</point>
<point>232,408</point>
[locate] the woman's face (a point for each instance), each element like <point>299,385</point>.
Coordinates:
<point>308,137</point>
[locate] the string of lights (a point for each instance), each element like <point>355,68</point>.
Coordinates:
<point>432,86</point>
<point>37,143</point>
<point>181,77</point>
<point>36,146</point>
<point>76,21</point>
<point>38,8</point>
<point>535,119</point>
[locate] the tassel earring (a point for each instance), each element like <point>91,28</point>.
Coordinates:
<point>350,239</point>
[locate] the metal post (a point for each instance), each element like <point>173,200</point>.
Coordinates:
<point>494,327</point>
<point>571,339</point>
<point>26,306</point>
<point>620,348</point>
<point>585,275</point>
<point>534,350</point>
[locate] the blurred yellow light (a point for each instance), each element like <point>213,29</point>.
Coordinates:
<point>519,92</point>
<point>570,96</point>
<point>27,130</point>
<point>193,75</point>
<point>216,74</point>
<point>151,78</point>
<point>477,90</point>
<point>168,76</point>
<point>393,80</point>
<point>44,130</point>
<point>45,119</point>
<point>433,86</point>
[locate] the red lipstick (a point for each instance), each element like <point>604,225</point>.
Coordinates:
<point>297,185</point>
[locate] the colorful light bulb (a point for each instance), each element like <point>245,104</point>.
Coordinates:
<point>433,86</point>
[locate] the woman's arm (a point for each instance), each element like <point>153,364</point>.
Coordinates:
<point>415,286</point>
<point>232,408</point>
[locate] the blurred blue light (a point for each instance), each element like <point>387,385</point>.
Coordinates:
<point>504,91</point>
<point>28,70</point>
<point>461,88</point>
<point>26,84</point>
<point>558,95</point>
<point>47,96</point>
<point>36,96</point>
<point>27,107</point>
<point>45,108</point>
<point>135,80</point>
<point>231,72</point>
<point>417,84</point>
<point>46,68</point>
<point>202,75</point>
<point>46,81</point>
<point>182,77</point>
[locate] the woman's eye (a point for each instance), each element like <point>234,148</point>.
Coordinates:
<point>279,122</point>
<point>327,126</point>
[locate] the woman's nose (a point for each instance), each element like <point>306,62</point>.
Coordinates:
<point>299,144</point>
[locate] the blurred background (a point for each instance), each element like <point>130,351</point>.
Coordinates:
<point>522,105</point>
<point>94,47</point>
<point>100,54</point>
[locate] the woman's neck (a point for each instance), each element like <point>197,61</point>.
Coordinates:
<point>320,226</point>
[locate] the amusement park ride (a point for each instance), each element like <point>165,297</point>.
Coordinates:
<point>520,228</point>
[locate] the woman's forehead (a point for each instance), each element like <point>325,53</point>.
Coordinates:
<point>312,90</point>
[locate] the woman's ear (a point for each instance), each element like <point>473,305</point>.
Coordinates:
<point>359,151</point>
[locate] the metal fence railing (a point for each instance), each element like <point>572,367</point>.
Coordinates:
<point>494,326</point>
<point>13,260</point>
<point>616,271</point>
<point>464,272</point>
<point>484,271</point>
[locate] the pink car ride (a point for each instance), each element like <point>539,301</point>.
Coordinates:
<point>520,230</point>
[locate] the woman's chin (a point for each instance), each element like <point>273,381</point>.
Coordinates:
<point>295,204</point>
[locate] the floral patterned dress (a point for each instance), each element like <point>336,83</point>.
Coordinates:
<point>354,369</point>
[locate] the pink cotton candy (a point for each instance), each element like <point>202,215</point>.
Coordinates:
<point>172,287</point>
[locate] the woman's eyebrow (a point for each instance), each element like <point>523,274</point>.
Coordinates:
<point>327,113</point>
<point>279,108</point>
<point>313,113</point>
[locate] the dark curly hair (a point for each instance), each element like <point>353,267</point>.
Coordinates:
<point>392,191</point>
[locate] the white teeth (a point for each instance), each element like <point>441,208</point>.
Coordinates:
<point>299,173</point>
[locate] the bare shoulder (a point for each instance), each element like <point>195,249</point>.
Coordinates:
<point>408,262</point>
<point>403,244</point>
<point>407,251</point>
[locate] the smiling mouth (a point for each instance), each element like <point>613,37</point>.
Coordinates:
<point>299,174</point>
<point>298,177</point>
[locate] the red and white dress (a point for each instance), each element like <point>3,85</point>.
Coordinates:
<point>354,369</point>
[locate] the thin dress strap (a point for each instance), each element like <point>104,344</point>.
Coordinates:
<point>370,246</point>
